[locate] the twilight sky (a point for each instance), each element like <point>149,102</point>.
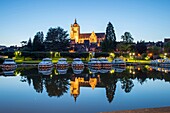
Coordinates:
<point>147,20</point>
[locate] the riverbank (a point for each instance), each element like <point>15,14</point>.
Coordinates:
<point>145,110</point>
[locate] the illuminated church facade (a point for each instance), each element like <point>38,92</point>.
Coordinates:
<point>85,41</point>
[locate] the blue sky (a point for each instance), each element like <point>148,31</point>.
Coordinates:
<point>147,20</point>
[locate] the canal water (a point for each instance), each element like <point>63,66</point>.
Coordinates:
<point>28,90</point>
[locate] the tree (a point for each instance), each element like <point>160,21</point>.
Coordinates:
<point>127,84</point>
<point>29,44</point>
<point>123,47</point>
<point>57,39</point>
<point>109,43</point>
<point>127,37</point>
<point>167,47</point>
<point>38,42</point>
<point>154,50</point>
<point>141,47</point>
<point>23,43</point>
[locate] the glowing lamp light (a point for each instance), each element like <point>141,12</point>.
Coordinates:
<point>112,71</point>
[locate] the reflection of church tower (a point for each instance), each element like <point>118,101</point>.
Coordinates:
<point>75,88</point>
<point>93,82</point>
<point>75,32</point>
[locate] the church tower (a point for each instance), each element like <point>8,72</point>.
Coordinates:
<point>75,32</point>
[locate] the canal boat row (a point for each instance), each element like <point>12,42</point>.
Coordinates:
<point>77,62</point>
<point>161,62</point>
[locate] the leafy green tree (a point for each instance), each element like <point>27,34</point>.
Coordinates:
<point>109,43</point>
<point>167,47</point>
<point>23,43</point>
<point>154,50</point>
<point>29,45</point>
<point>57,39</point>
<point>122,47</point>
<point>38,42</point>
<point>127,37</point>
<point>127,84</point>
<point>141,47</point>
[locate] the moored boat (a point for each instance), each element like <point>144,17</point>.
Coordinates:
<point>94,62</point>
<point>62,62</point>
<point>45,63</point>
<point>77,62</point>
<point>105,63</point>
<point>165,63</point>
<point>9,64</point>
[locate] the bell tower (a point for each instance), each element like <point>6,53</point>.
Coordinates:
<point>75,32</point>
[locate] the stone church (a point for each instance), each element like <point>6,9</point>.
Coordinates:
<point>84,41</point>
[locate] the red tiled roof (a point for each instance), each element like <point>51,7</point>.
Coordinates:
<point>87,35</point>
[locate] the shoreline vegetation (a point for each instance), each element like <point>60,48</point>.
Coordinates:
<point>144,110</point>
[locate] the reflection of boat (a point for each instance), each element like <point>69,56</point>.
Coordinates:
<point>94,69</point>
<point>78,70</point>
<point>45,71</point>
<point>77,62</point>
<point>104,70</point>
<point>94,62</point>
<point>9,71</point>
<point>9,64</point>
<point>45,63</point>
<point>105,63</point>
<point>62,62</point>
<point>119,69</point>
<point>62,70</point>
<point>118,62</point>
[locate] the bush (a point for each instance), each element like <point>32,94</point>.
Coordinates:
<point>1,60</point>
<point>101,54</point>
<point>74,55</point>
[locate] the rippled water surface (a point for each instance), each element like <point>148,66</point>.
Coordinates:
<point>83,90</point>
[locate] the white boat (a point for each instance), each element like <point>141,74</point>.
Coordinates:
<point>62,62</point>
<point>77,62</point>
<point>165,63</point>
<point>94,62</point>
<point>105,63</point>
<point>161,62</point>
<point>9,64</point>
<point>156,62</point>
<point>118,62</point>
<point>45,63</point>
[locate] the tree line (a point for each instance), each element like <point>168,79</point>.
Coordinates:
<point>55,40</point>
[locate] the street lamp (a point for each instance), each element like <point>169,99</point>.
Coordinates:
<point>132,54</point>
<point>165,54</point>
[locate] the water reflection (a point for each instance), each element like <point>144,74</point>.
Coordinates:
<point>9,71</point>
<point>45,71</point>
<point>62,70</point>
<point>60,81</point>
